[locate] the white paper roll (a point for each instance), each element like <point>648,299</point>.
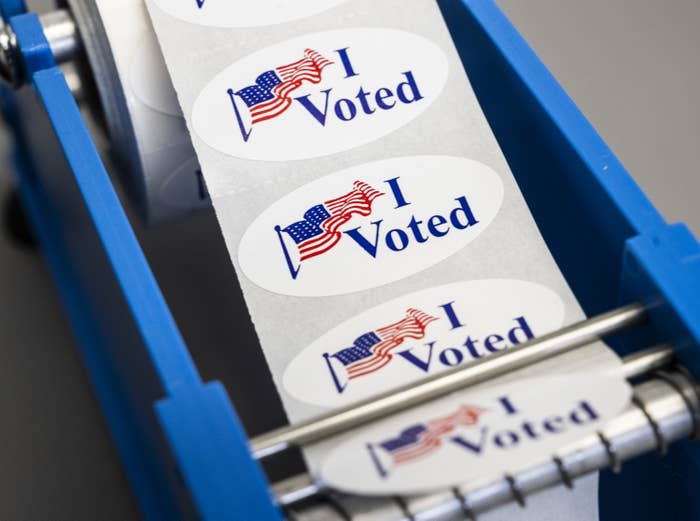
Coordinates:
<point>149,137</point>
<point>376,228</point>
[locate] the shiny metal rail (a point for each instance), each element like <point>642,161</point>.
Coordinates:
<point>665,409</point>
<point>647,361</point>
<point>523,355</point>
<point>61,33</point>
<point>303,487</point>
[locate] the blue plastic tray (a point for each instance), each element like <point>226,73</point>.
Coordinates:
<point>179,438</point>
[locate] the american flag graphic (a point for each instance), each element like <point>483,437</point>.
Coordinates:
<point>269,97</point>
<point>421,439</point>
<point>372,351</point>
<point>318,231</point>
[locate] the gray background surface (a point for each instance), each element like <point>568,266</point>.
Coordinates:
<point>632,67</point>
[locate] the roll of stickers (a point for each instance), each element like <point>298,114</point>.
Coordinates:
<point>145,124</point>
<point>380,237</point>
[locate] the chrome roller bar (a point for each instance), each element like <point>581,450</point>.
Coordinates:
<point>647,361</point>
<point>666,409</point>
<point>498,364</point>
<point>303,487</point>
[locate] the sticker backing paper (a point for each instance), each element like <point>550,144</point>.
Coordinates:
<point>361,193</point>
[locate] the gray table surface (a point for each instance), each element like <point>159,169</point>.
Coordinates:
<point>631,65</point>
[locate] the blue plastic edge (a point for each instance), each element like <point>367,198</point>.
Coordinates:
<point>244,494</point>
<point>189,410</point>
<point>609,240</point>
<point>584,202</point>
<point>10,8</point>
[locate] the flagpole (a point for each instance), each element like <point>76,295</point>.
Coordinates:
<point>245,133</point>
<point>335,376</point>
<point>292,271</point>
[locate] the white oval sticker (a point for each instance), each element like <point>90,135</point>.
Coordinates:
<point>421,334</point>
<point>475,436</point>
<point>320,94</point>
<point>370,225</point>
<point>225,13</point>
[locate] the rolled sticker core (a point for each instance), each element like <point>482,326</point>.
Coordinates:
<point>370,225</point>
<point>474,437</point>
<point>418,335</point>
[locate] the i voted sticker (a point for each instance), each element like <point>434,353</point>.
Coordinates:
<point>370,225</point>
<point>320,94</point>
<point>420,334</point>
<point>226,13</point>
<point>474,437</point>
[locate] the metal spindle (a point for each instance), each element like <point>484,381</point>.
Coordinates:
<point>60,32</point>
<point>665,410</point>
<point>302,487</point>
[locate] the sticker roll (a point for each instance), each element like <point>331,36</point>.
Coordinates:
<point>375,227</point>
<point>149,140</point>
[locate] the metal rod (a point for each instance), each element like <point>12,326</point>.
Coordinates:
<point>296,489</point>
<point>61,33</point>
<point>662,410</point>
<point>302,487</point>
<point>647,361</point>
<point>523,355</point>
<point>74,80</point>
<point>9,57</point>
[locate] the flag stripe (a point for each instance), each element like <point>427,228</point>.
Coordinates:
<point>431,439</point>
<point>412,326</point>
<point>341,209</point>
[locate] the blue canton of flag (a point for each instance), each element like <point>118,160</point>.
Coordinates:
<point>261,91</point>
<point>407,438</point>
<point>310,226</point>
<point>361,349</point>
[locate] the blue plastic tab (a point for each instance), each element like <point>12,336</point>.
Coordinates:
<point>206,435</point>
<point>35,49</point>
<point>10,8</point>
<point>663,270</point>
